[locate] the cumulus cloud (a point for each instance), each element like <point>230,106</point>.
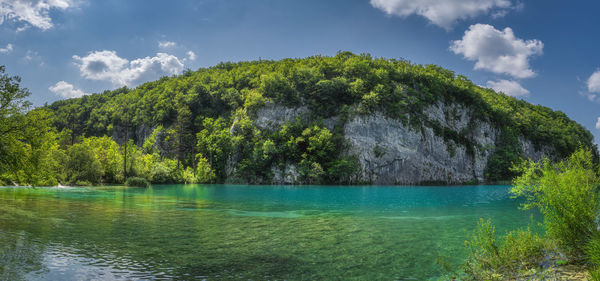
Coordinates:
<point>66,90</point>
<point>191,55</point>
<point>498,51</point>
<point>510,88</point>
<point>444,13</point>
<point>598,124</point>
<point>6,50</point>
<point>31,12</point>
<point>108,66</point>
<point>593,83</point>
<point>166,44</point>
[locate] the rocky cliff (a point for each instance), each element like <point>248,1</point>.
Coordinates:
<point>389,151</point>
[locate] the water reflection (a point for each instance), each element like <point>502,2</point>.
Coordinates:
<point>241,232</point>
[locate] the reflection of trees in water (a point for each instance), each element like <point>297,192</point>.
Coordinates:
<point>19,256</point>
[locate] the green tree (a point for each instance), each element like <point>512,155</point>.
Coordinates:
<point>82,165</point>
<point>214,144</point>
<point>107,152</point>
<point>507,154</point>
<point>41,156</point>
<point>566,193</point>
<point>13,105</point>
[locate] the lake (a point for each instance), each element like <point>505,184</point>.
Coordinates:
<point>239,232</point>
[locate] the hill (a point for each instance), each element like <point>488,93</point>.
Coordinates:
<point>343,119</point>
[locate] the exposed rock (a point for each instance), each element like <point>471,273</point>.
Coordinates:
<point>391,152</point>
<point>289,175</point>
<point>273,116</point>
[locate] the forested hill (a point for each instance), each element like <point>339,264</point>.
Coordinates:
<point>318,120</point>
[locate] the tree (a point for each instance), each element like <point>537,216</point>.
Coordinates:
<point>82,165</point>
<point>12,97</point>
<point>106,150</point>
<point>185,137</point>
<point>125,117</point>
<point>12,108</point>
<point>214,144</point>
<point>41,155</point>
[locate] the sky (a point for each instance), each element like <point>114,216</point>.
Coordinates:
<point>545,52</point>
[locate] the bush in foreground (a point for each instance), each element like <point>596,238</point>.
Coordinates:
<point>493,258</point>
<point>566,193</point>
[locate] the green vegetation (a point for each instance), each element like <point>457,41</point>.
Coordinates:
<point>566,193</point>
<point>515,253</point>
<point>592,251</point>
<point>137,182</point>
<point>200,126</point>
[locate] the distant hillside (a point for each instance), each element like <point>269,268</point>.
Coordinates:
<point>343,119</point>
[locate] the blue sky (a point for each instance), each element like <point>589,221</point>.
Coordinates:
<point>545,52</point>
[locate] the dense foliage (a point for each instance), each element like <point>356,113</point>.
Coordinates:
<point>201,126</point>
<point>567,195</point>
<point>137,182</point>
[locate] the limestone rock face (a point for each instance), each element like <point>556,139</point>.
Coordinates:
<point>273,116</point>
<point>391,152</point>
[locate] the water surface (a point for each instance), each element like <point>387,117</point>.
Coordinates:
<point>236,232</point>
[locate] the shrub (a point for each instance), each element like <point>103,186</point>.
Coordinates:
<point>491,258</point>
<point>566,193</point>
<point>137,182</point>
<point>592,251</point>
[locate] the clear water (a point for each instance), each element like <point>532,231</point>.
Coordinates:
<point>228,232</point>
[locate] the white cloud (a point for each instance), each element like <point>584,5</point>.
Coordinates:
<point>510,88</point>
<point>31,12</point>
<point>166,44</point>
<point>498,51</point>
<point>443,12</point>
<point>6,50</point>
<point>593,83</point>
<point>191,55</point>
<point>108,66</point>
<point>590,97</point>
<point>598,124</point>
<point>66,90</point>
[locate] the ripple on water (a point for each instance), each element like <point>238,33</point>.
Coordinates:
<point>423,217</point>
<point>272,214</point>
<point>65,263</point>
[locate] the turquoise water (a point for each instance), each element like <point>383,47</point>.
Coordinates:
<point>229,232</point>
